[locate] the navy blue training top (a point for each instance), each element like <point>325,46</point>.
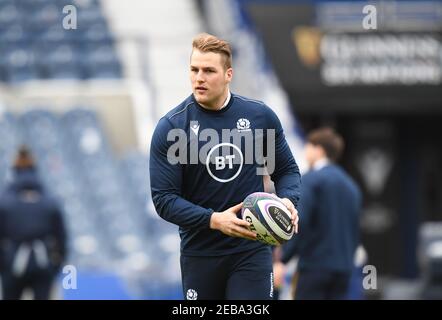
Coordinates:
<point>199,168</point>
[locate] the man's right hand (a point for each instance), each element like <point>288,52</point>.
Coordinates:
<point>228,223</point>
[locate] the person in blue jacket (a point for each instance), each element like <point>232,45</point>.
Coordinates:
<point>206,156</point>
<point>329,212</point>
<point>32,233</point>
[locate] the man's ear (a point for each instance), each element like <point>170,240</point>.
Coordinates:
<point>229,74</point>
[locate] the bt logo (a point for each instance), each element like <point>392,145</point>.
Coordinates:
<point>220,162</point>
<point>225,161</point>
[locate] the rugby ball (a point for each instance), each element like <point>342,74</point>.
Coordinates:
<point>269,218</point>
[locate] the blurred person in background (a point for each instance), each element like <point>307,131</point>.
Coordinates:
<point>32,233</point>
<point>329,211</point>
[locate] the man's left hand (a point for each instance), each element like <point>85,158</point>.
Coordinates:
<point>290,206</point>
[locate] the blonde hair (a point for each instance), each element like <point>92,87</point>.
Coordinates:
<point>205,42</point>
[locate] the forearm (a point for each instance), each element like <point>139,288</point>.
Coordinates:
<point>288,186</point>
<point>286,175</point>
<point>181,212</point>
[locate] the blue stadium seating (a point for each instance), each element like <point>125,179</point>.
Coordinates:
<point>42,132</point>
<point>34,44</point>
<point>103,181</point>
<point>62,62</point>
<point>9,142</point>
<point>111,222</point>
<point>13,35</point>
<point>9,14</point>
<point>19,65</point>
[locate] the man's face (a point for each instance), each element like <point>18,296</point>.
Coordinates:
<point>209,78</point>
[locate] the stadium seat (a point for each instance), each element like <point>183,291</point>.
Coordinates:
<point>42,131</point>
<point>9,14</point>
<point>34,27</point>
<point>13,35</point>
<point>114,212</point>
<point>110,221</point>
<point>61,63</point>
<point>9,142</point>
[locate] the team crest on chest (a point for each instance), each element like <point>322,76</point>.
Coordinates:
<point>243,125</point>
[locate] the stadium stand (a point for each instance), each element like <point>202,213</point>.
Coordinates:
<point>167,47</point>
<point>9,143</point>
<point>34,44</point>
<point>113,231</point>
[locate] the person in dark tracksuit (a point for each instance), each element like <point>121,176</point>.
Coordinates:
<point>329,212</point>
<point>220,258</point>
<point>32,234</point>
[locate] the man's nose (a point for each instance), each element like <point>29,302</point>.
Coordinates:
<point>200,77</point>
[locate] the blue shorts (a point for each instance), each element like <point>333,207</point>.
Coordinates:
<point>242,276</point>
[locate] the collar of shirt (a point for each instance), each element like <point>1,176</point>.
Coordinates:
<point>227,100</point>
<point>321,163</point>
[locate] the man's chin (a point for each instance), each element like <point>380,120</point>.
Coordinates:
<point>201,99</point>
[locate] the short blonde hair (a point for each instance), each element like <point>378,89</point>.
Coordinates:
<point>205,42</point>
